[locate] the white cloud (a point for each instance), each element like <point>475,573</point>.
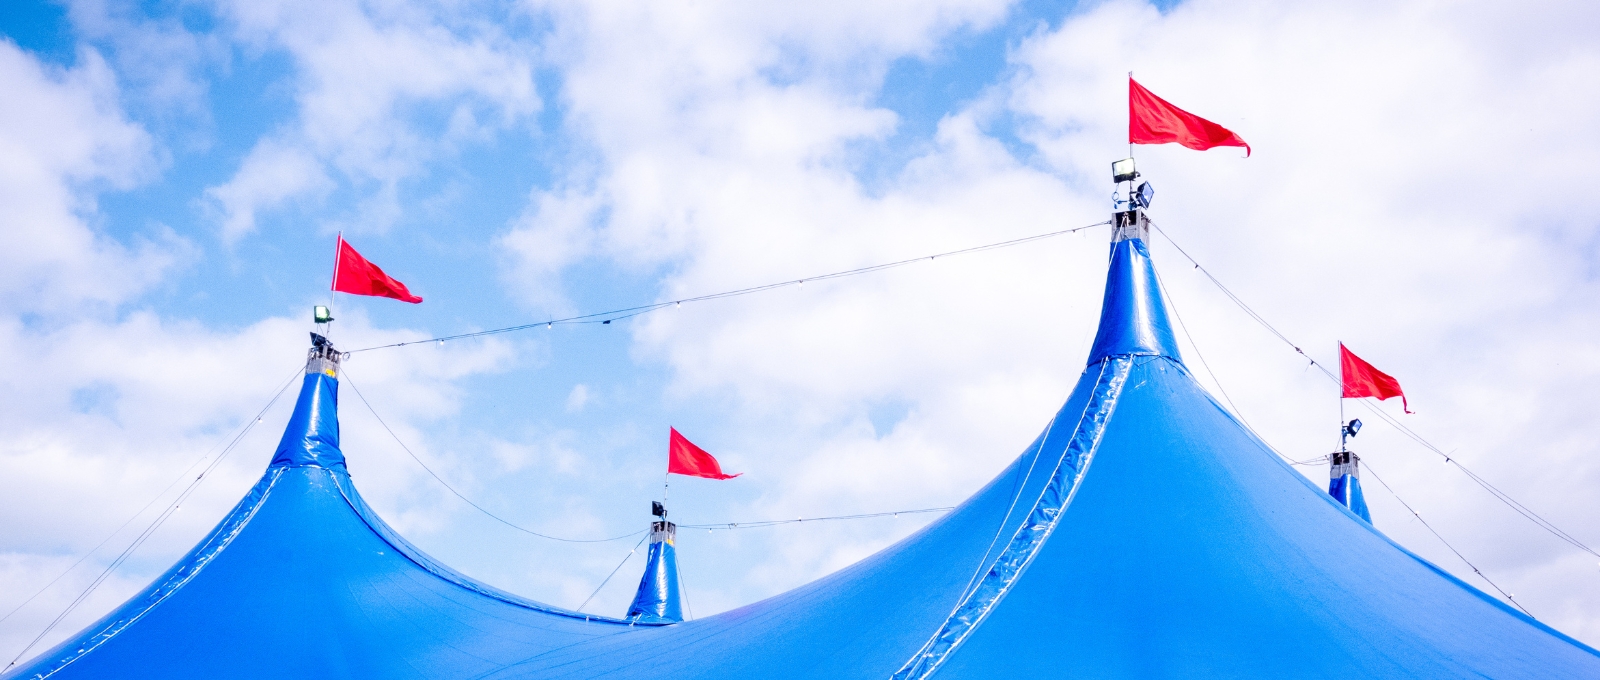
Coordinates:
<point>272,174</point>
<point>577,398</point>
<point>161,61</point>
<point>367,76</point>
<point>62,135</point>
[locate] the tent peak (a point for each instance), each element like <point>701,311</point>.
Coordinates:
<point>657,600</point>
<point>1133,317</point>
<point>311,438</point>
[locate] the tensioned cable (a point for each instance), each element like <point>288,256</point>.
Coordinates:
<point>154,525</point>
<point>1537,519</point>
<point>683,587</point>
<point>629,312</point>
<point>613,573</point>
<point>772,523</point>
<point>724,525</point>
<point>1452,548</point>
<point>1174,304</point>
<point>502,520</point>
<point>458,494</point>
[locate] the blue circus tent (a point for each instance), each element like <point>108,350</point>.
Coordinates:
<point>1144,534</point>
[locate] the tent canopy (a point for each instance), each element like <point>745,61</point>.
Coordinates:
<point>1145,533</point>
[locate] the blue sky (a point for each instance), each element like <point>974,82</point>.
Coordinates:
<point>178,171</point>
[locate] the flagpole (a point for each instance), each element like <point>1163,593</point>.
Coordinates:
<point>1341,401</point>
<point>333,286</point>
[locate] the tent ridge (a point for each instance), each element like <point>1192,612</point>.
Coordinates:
<point>1033,532</point>
<point>416,556</point>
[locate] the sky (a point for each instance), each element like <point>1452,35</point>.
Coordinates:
<point>173,175</point>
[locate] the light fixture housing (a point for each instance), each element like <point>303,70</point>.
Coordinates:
<point>1144,194</point>
<point>1351,428</point>
<point>321,314</point>
<point>1123,171</point>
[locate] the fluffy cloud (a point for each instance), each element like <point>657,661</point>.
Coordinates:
<point>62,132</point>
<point>380,89</point>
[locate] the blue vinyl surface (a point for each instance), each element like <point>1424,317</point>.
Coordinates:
<point>1186,549</point>
<point>1347,490</point>
<point>657,600</point>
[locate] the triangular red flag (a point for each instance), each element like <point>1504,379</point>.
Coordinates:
<point>1361,379</point>
<point>684,458</point>
<point>353,274</point>
<point>1153,120</point>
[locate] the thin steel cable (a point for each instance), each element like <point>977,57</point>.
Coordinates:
<point>683,586</point>
<point>155,524</point>
<point>771,523</point>
<point>1452,548</point>
<point>1185,327</point>
<point>607,317</point>
<point>458,494</point>
<point>1517,506</point>
<point>718,526</point>
<point>613,573</point>
<point>1503,497</point>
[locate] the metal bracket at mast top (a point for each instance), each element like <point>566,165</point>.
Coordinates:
<point>1130,224</point>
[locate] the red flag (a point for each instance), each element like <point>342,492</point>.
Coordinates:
<point>353,274</point>
<point>1360,379</point>
<point>1152,120</point>
<point>684,458</point>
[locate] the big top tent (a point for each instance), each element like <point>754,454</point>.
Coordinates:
<point>1145,533</point>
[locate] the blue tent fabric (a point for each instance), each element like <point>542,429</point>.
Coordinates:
<point>1346,488</point>
<point>312,436</point>
<point>657,600</point>
<point>1144,534</point>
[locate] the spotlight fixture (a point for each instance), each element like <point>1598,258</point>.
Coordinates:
<point>1351,428</point>
<point>321,314</point>
<point>1144,194</point>
<point>1123,171</point>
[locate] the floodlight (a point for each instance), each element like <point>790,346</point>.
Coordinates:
<point>1352,428</point>
<point>321,314</point>
<point>1123,171</point>
<point>1144,194</point>
<point>657,509</point>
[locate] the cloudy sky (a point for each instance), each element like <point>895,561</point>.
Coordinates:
<point>173,173</point>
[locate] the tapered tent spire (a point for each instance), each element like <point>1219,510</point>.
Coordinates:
<point>1344,483</point>
<point>312,435</point>
<point>657,600</point>
<point>1133,316</point>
